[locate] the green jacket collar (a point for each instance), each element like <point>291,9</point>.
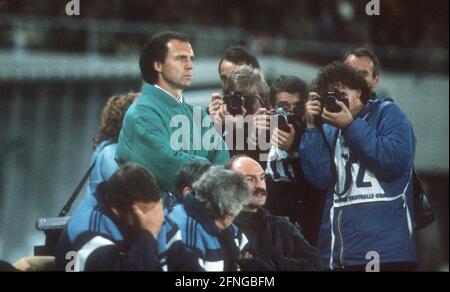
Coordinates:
<point>159,96</point>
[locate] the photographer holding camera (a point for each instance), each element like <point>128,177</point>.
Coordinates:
<point>233,58</point>
<point>361,151</point>
<point>242,114</point>
<point>291,195</point>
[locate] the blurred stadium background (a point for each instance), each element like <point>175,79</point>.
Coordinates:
<point>57,71</point>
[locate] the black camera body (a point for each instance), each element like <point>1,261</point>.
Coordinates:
<point>328,100</point>
<point>234,102</point>
<point>284,118</point>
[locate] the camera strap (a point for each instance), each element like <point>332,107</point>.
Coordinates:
<point>348,167</point>
<point>75,193</point>
<point>77,190</point>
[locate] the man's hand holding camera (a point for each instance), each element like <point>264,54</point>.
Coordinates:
<point>279,138</point>
<point>283,140</point>
<point>340,120</point>
<point>218,111</point>
<point>315,111</point>
<point>261,124</point>
<point>215,109</point>
<point>216,102</point>
<point>261,120</point>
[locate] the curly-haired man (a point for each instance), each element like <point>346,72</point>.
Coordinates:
<point>362,154</point>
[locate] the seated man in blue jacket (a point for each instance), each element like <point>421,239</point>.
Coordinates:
<point>137,237</point>
<point>361,151</point>
<point>205,218</point>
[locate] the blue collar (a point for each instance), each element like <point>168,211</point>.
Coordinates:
<point>196,210</point>
<point>371,104</point>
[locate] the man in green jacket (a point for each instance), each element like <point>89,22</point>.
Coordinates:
<point>160,130</point>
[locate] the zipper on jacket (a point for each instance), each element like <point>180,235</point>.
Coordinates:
<point>341,251</point>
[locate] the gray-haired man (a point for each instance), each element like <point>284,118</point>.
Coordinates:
<point>205,218</point>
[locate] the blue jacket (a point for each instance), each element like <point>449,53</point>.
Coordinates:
<point>100,252</point>
<point>87,215</point>
<point>218,250</point>
<point>97,221</point>
<point>375,213</point>
<point>105,165</point>
<point>90,217</point>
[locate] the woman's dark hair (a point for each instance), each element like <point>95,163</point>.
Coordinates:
<point>112,117</point>
<point>155,50</point>
<point>130,184</point>
<point>339,73</point>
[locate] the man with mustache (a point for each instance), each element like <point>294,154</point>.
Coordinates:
<point>272,239</point>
